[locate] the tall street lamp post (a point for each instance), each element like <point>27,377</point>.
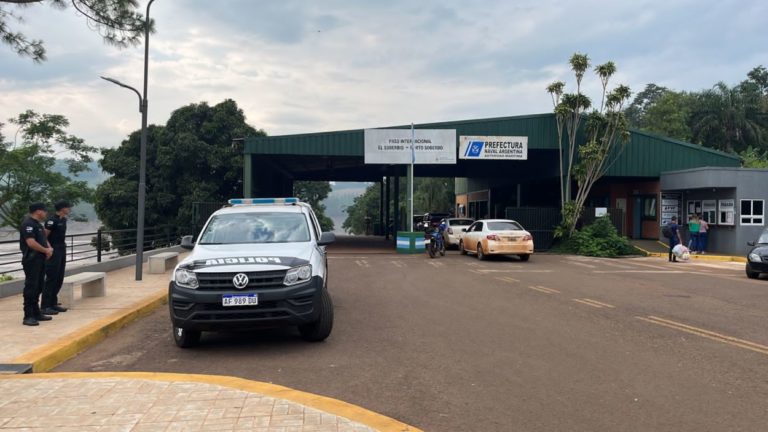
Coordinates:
<point>143,149</point>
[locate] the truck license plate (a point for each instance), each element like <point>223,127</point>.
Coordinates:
<point>240,300</point>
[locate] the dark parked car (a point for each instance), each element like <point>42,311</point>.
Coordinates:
<point>757,260</point>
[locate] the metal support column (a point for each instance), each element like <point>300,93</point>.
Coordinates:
<point>386,207</point>
<point>397,205</point>
<point>381,204</point>
<point>247,176</point>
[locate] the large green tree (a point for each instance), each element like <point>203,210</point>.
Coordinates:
<point>727,119</point>
<point>190,159</point>
<point>670,116</point>
<point>313,193</point>
<point>27,162</point>
<point>732,119</point>
<point>636,111</point>
<point>429,195</point>
<point>118,22</point>
<point>364,206</point>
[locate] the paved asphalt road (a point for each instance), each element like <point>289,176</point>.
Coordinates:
<point>555,344</point>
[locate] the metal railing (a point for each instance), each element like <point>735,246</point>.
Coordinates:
<point>98,246</point>
<point>542,221</point>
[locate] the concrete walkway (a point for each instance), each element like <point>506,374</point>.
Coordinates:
<point>144,401</point>
<point>125,296</point>
<point>139,402</point>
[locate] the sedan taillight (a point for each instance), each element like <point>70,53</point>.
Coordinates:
<point>493,237</point>
<point>450,230</point>
<point>527,237</point>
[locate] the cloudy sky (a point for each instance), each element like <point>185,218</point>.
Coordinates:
<point>304,66</point>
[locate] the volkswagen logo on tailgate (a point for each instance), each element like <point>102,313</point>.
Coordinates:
<point>240,280</point>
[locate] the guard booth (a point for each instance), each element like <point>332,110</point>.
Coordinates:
<point>731,200</point>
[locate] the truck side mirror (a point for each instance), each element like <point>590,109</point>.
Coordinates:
<point>187,242</point>
<point>751,244</point>
<point>326,238</point>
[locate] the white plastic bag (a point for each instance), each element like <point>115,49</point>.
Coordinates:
<point>681,252</point>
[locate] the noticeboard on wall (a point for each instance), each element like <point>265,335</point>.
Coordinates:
<point>670,206</point>
<point>727,212</point>
<point>694,207</point>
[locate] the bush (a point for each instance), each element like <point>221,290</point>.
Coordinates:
<point>5,278</point>
<point>600,239</point>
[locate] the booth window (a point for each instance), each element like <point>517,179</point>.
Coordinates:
<point>727,210</point>
<point>709,211</point>
<point>752,212</point>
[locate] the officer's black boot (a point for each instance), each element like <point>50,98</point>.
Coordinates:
<point>38,315</point>
<point>29,319</point>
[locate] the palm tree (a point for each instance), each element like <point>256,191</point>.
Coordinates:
<point>726,119</point>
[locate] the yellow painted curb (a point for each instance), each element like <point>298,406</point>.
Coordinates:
<point>648,253</point>
<point>322,403</point>
<point>718,258</point>
<point>54,353</point>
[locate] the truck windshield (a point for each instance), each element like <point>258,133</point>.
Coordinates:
<point>256,228</point>
<point>763,238</point>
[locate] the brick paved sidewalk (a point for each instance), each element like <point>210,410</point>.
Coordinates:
<point>126,404</point>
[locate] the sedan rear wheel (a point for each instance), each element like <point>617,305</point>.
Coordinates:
<point>480,254</point>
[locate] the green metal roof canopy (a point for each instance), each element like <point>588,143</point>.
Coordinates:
<point>339,155</point>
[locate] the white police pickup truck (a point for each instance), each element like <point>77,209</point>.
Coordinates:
<point>258,263</point>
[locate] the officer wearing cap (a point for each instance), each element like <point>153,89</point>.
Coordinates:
<point>55,231</point>
<point>35,250</point>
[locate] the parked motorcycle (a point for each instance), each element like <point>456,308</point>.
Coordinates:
<point>435,241</point>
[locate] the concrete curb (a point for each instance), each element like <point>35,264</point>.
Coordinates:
<point>322,403</point>
<point>54,353</point>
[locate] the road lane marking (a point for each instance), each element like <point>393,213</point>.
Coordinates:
<point>582,301</point>
<point>398,264</point>
<point>512,271</point>
<point>507,279</point>
<point>606,261</point>
<point>362,263</point>
<point>658,267</point>
<point>435,264</point>
<point>345,257</point>
<point>544,289</point>
<point>730,340</point>
<point>574,262</point>
<point>610,306</point>
<point>641,271</point>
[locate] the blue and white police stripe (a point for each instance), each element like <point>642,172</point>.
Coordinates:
<point>262,201</point>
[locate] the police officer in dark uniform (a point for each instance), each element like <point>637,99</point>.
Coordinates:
<point>55,231</point>
<point>35,250</point>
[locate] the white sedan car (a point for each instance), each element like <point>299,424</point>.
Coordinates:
<point>453,230</point>
<point>497,237</point>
